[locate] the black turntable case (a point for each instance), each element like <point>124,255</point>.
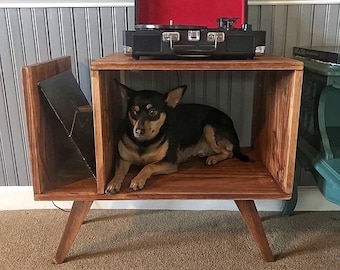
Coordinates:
<point>192,28</point>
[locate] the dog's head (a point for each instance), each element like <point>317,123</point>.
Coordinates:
<point>147,109</point>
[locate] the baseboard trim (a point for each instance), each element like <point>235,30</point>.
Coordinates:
<point>21,198</point>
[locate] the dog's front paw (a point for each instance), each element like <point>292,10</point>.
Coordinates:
<point>137,184</point>
<point>113,187</point>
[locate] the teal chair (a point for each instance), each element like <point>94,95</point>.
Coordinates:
<point>327,164</point>
<point>318,150</point>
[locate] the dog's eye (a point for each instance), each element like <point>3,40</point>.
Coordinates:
<point>133,112</point>
<point>153,112</point>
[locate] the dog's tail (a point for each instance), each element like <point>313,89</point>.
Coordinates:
<point>237,153</point>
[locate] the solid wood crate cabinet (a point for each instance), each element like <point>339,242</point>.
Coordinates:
<point>268,176</point>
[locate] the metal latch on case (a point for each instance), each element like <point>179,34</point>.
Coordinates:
<point>170,36</point>
<point>218,36</point>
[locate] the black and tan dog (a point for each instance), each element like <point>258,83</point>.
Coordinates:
<point>160,133</point>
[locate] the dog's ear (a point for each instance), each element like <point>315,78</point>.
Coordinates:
<point>125,91</point>
<point>175,95</point>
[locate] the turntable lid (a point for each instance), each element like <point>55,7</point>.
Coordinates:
<point>189,12</point>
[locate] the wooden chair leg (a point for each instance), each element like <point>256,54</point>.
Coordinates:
<point>252,219</point>
<point>76,218</point>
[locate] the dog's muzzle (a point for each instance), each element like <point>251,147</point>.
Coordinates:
<point>139,130</point>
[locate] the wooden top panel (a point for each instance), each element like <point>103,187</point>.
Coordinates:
<point>119,61</point>
<point>230,179</point>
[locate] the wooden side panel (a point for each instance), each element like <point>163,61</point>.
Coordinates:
<point>107,109</point>
<point>38,129</point>
<point>258,112</point>
<point>276,123</point>
<point>295,83</point>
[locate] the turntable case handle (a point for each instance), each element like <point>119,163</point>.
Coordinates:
<point>193,50</point>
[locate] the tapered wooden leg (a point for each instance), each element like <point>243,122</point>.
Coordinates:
<point>254,224</point>
<point>76,218</point>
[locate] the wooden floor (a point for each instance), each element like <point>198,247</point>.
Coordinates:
<point>230,179</point>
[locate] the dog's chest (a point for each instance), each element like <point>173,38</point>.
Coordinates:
<point>130,152</point>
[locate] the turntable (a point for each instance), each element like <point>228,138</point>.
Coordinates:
<point>218,30</point>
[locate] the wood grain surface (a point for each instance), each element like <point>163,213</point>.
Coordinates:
<point>230,179</point>
<point>40,128</point>
<point>119,61</point>
<point>268,176</point>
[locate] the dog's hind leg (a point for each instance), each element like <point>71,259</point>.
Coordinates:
<point>161,167</point>
<point>223,149</point>
<point>209,135</point>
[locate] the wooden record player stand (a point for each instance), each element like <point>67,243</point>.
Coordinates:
<point>268,176</point>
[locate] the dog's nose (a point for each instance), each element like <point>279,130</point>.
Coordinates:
<point>140,131</point>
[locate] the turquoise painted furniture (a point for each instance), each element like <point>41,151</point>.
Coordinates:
<point>327,164</point>
<point>319,131</point>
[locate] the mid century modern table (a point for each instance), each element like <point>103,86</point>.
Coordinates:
<point>268,176</point>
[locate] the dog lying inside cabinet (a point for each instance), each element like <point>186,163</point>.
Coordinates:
<point>159,134</point>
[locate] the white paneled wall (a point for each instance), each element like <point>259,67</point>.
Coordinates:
<point>29,35</point>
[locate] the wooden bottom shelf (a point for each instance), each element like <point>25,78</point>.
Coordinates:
<point>230,179</point>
